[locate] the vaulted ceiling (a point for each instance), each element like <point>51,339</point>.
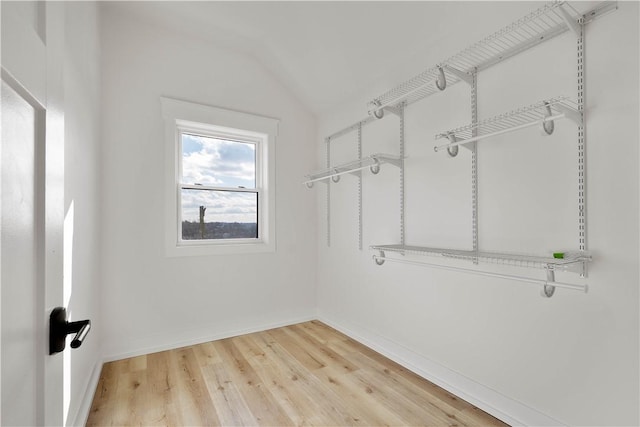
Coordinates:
<point>327,52</point>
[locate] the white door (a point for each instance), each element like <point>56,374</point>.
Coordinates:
<point>32,211</point>
<point>23,338</point>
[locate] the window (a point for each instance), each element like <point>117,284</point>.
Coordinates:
<point>220,176</point>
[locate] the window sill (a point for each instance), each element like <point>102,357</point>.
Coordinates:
<point>204,249</point>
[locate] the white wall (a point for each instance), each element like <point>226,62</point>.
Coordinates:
<point>83,212</point>
<point>152,301</point>
<point>570,359</point>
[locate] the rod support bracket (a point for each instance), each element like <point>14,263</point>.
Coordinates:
<point>375,167</point>
<point>441,80</point>
<point>378,260</point>
<point>548,125</point>
<point>453,150</point>
<point>375,109</point>
<point>547,289</point>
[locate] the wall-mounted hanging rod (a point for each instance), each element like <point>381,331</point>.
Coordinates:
<point>334,175</point>
<point>546,284</point>
<point>500,132</point>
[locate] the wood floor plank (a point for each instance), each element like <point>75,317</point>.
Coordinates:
<point>129,407</point>
<point>357,397</point>
<point>306,374</point>
<point>282,387</point>
<point>137,363</point>
<point>415,391</point>
<point>163,391</point>
<point>476,417</point>
<point>391,368</point>
<point>230,405</point>
<point>319,350</point>
<point>414,405</point>
<point>193,393</point>
<point>407,411</point>
<point>101,407</point>
<point>330,403</point>
<point>329,334</point>
<point>310,403</point>
<point>206,354</point>
<point>264,406</point>
<point>318,334</point>
<point>299,353</point>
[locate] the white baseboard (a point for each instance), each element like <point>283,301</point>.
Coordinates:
<point>502,407</point>
<point>85,406</point>
<point>199,337</point>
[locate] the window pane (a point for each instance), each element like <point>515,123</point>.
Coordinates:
<point>209,214</point>
<point>218,162</point>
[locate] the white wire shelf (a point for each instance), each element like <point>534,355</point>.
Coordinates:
<point>515,260</point>
<point>541,113</point>
<point>371,162</point>
<point>540,25</point>
<point>571,262</point>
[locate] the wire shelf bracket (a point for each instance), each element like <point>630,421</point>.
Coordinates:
<point>462,75</point>
<point>542,113</point>
<point>571,22</point>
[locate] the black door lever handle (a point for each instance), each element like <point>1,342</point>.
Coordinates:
<point>81,329</point>
<point>59,328</point>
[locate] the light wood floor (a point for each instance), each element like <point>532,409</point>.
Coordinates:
<point>305,374</point>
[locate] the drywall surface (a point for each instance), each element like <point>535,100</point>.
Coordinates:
<point>83,213</point>
<point>571,359</point>
<point>152,301</point>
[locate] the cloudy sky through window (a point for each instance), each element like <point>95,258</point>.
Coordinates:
<point>218,163</point>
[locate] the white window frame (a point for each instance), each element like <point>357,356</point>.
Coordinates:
<point>187,117</point>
